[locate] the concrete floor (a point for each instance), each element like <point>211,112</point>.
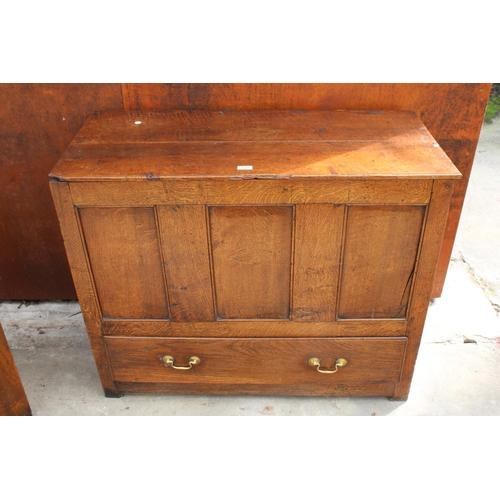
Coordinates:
<point>457,370</point>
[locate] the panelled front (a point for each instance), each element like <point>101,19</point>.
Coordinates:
<point>302,263</point>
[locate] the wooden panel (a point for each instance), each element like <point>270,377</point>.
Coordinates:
<point>253,192</point>
<point>37,123</point>
<point>318,241</point>
<point>184,243</point>
<point>438,212</point>
<point>453,113</point>
<point>124,255</point>
<point>263,361</point>
<point>251,259</point>
<point>13,400</point>
<point>260,328</point>
<point>380,251</point>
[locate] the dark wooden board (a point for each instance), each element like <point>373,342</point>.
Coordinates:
<point>13,400</point>
<point>37,122</point>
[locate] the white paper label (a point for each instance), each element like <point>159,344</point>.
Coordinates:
<point>244,167</point>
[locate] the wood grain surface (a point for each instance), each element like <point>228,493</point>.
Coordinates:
<point>252,251</point>
<point>260,328</point>
<point>375,150</point>
<point>264,126</point>
<point>80,268</point>
<point>13,400</point>
<point>318,242</point>
<point>447,110</point>
<point>184,241</point>
<point>124,254</point>
<point>37,123</point>
<point>251,192</point>
<point>268,160</point>
<point>262,361</point>
<point>380,251</point>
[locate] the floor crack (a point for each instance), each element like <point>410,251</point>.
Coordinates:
<point>482,285</point>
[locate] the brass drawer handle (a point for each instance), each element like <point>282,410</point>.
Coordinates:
<point>168,361</point>
<point>339,363</point>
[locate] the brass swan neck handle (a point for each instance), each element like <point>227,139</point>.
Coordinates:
<point>339,363</point>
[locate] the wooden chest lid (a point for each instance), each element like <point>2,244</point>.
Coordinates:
<point>137,145</point>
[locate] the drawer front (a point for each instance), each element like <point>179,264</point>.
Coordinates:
<point>271,361</point>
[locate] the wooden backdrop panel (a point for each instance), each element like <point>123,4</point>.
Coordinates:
<point>38,121</point>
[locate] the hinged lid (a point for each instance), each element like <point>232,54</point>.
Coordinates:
<point>253,144</point>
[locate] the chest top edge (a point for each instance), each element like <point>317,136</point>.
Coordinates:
<point>253,145</point>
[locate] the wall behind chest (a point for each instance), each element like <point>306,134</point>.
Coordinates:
<point>37,123</point>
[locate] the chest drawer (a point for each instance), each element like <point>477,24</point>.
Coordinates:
<point>258,362</point>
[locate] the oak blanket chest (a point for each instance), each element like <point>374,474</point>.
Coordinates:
<point>254,252</point>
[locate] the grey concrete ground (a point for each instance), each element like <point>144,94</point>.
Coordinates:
<point>457,371</point>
